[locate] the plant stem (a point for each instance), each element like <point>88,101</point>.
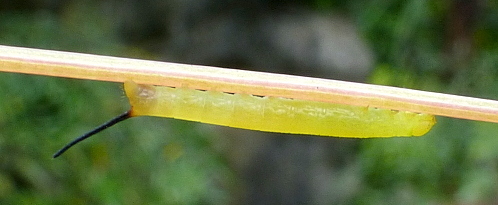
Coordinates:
<point>105,68</point>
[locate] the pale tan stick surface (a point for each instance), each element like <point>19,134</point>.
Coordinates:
<point>105,68</point>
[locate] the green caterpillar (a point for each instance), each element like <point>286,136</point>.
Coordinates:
<point>269,114</point>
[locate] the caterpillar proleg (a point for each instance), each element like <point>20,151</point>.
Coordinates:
<point>270,114</point>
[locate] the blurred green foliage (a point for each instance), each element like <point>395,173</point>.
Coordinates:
<point>413,43</point>
<point>164,161</point>
<point>160,161</point>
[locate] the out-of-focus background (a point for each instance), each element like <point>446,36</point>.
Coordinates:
<point>447,46</point>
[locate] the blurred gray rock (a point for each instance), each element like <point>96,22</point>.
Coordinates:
<point>272,37</point>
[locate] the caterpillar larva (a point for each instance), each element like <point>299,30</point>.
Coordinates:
<point>273,114</point>
<point>270,114</point>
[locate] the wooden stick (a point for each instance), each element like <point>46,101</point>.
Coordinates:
<point>105,68</point>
